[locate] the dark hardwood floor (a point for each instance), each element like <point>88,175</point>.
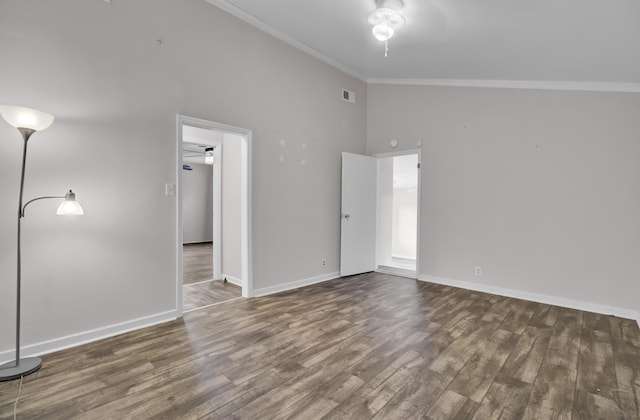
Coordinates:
<point>199,289</point>
<point>368,346</point>
<point>197,262</point>
<point>198,295</point>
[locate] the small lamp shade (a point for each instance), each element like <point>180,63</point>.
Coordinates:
<point>208,155</point>
<point>70,207</point>
<point>21,117</point>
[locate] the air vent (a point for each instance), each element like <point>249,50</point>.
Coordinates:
<point>348,96</point>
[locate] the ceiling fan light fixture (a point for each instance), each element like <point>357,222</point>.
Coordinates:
<point>383,32</point>
<point>386,19</point>
<point>388,16</point>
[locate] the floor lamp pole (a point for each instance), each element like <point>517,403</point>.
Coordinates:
<point>21,367</point>
<point>26,133</point>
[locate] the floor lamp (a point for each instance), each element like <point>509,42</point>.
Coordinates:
<point>28,121</point>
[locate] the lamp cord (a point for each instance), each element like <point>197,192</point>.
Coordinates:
<point>15,405</point>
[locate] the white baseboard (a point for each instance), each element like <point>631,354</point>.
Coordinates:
<point>295,284</point>
<point>232,280</point>
<point>535,297</point>
<point>85,337</point>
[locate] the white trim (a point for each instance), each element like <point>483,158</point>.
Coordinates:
<point>232,280</point>
<point>535,297</point>
<point>263,26</point>
<point>178,204</point>
<point>247,219</point>
<point>402,257</point>
<point>295,284</point>
<point>395,271</point>
<point>245,214</point>
<point>395,153</point>
<point>217,210</point>
<point>73,340</point>
<point>514,84</point>
<point>213,304</point>
<point>199,282</point>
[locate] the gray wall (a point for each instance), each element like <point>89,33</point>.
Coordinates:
<point>115,93</point>
<point>540,188</point>
<point>231,207</point>
<point>197,204</point>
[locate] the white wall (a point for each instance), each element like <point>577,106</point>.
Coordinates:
<point>540,188</point>
<point>405,226</point>
<point>231,206</point>
<point>385,211</point>
<point>197,204</point>
<point>405,206</point>
<point>115,92</point>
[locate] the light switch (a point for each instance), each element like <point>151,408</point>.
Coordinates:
<point>169,189</point>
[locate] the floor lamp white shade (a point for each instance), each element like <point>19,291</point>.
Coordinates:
<point>21,117</point>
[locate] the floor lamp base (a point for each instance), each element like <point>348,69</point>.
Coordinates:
<point>9,371</point>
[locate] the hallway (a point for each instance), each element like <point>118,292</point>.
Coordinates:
<point>199,288</point>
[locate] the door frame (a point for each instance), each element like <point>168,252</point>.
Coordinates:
<point>404,153</point>
<point>245,198</point>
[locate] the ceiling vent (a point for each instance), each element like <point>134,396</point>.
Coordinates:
<point>348,96</point>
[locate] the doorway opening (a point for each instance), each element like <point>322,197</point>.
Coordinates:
<point>398,202</point>
<point>213,213</point>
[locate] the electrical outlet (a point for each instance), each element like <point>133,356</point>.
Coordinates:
<point>478,271</point>
<point>324,262</point>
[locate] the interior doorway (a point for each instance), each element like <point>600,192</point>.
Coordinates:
<point>398,210</point>
<point>213,213</point>
<point>202,179</point>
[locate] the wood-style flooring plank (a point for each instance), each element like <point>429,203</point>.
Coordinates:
<point>366,346</point>
<point>197,295</point>
<point>552,395</point>
<point>200,289</point>
<point>197,262</point>
<point>477,375</point>
<point>625,338</point>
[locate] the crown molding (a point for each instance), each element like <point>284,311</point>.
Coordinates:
<point>263,26</point>
<point>515,84</point>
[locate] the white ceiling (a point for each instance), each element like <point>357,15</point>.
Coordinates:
<point>576,41</point>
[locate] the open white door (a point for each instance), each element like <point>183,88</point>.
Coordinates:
<point>358,227</point>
